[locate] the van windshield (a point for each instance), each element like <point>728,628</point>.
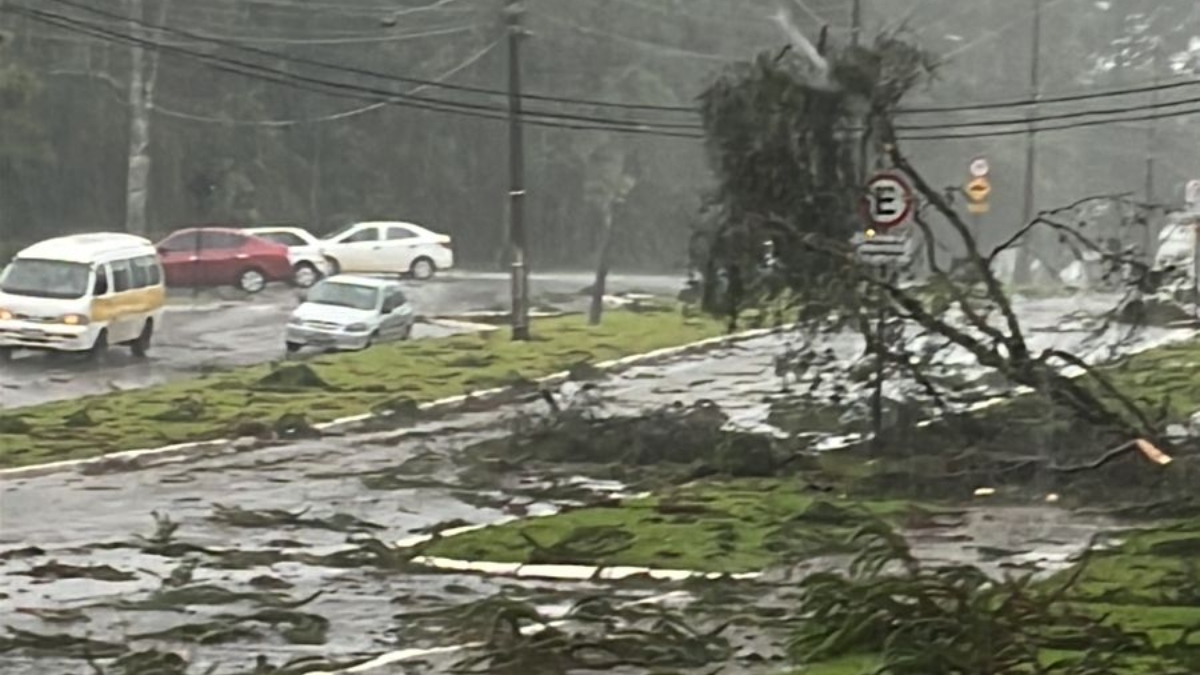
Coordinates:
<point>46,278</point>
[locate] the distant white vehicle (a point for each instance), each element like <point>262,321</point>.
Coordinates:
<point>388,248</point>
<point>304,251</point>
<point>1177,244</point>
<point>349,312</point>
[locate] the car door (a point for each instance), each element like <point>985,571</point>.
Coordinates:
<point>219,262</point>
<point>359,250</point>
<point>397,314</point>
<point>402,246</point>
<point>179,255</point>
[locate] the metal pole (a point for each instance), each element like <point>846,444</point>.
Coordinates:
<point>516,177</point>
<point>1035,69</point>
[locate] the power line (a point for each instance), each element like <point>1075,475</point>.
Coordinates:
<point>1052,117</point>
<point>332,117</point>
<point>1066,98</point>
<point>371,73</point>
<point>539,118</point>
<point>1062,127</point>
<point>549,119</point>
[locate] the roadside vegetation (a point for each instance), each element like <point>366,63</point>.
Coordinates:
<point>285,399</point>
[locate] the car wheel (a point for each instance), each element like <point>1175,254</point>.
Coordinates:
<point>304,275</point>
<point>334,266</point>
<point>371,340</point>
<point>407,334</point>
<point>292,347</point>
<point>141,346</point>
<point>422,268</point>
<point>252,280</point>
<point>99,350</point>
<point>6,354</point>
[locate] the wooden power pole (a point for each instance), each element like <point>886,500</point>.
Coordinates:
<point>1024,259</point>
<point>516,176</point>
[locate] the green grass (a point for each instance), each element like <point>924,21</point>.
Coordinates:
<point>213,406</point>
<point>728,527</point>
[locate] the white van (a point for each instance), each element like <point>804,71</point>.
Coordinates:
<point>82,293</point>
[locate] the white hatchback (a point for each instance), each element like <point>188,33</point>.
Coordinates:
<point>348,312</point>
<point>388,248</point>
<point>304,251</point>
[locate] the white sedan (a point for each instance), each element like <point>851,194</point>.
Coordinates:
<point>388,248</point>
<point>348,312</point>
<point>304,251</point>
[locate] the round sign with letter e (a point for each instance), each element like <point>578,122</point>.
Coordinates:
<point>888,201</point>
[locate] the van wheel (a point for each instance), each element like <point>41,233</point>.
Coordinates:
<point>304,275</point>
<point>252,280</point>
<point>422,268</point>
<point>141,346</point>
<point>99,350</point>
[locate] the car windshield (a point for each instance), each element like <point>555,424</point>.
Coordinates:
<point>285,238</point>
<point>334,235</point>
<point>46,278</point>
<point>344,295</point>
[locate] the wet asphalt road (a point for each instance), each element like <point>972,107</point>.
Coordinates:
<point>398,480</point>
<point>217,330</point>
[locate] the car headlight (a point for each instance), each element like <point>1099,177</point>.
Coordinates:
<point>356,328</point>
<point>75,320</point>
<point>5,315</point>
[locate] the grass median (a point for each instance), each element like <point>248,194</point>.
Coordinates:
<point>216,405</point>
<point>723,526</point>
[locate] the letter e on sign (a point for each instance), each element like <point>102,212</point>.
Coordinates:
<point>888,201</point>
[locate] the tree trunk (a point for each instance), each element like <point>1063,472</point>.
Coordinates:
<point>143,72</point>
<point>596,312</point>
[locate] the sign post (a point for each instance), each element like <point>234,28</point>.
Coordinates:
<point>887,204</point>
<point>978,189</point>
<point>1191,195</point>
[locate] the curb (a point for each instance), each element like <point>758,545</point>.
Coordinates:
<point>573,572</point>
<point>190,449</point>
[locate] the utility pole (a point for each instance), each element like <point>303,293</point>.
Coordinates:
<point>1149,235</point>
<point>516,176</point>
<point>1035,69</point>
<point>856,23</point>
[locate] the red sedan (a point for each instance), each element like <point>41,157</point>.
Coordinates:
<point>222,256</point>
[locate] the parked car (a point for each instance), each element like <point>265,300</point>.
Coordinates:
<point>223,256</point>
<point>350,312</point>
<point>304,250</point>
<point>388,248</point>
<point>82,293</point>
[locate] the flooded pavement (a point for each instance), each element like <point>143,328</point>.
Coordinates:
<point>203,332</point>
<point>267,529</point>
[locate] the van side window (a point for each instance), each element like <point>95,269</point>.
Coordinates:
<point>153,271</point>
<point>141,275</point>
<point>122,276</point>
<point>100,286</point>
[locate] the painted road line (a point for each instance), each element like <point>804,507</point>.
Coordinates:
<point>184,451</point>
